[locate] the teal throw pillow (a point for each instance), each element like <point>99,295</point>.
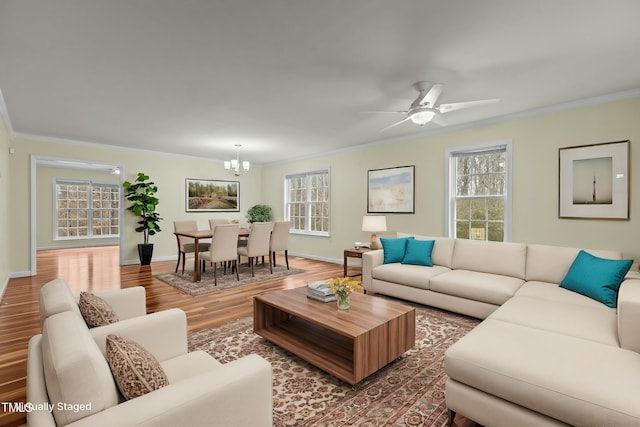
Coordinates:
<point>597,278</point>
<point>418,252</point>
<point>394,248</point>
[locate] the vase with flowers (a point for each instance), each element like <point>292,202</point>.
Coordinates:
<point>343,287</point>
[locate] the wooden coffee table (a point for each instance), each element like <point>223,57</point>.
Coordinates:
<point>349,344</point>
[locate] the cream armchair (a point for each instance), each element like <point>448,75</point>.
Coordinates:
<point>67,370</point>
<point>56,297</point>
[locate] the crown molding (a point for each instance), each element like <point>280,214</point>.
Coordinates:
<point>105,145</point>
<point>617,96</point>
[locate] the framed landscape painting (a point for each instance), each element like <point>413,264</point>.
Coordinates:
<point>391,190</point>
<point>207,195</point>
<point>594,181</point>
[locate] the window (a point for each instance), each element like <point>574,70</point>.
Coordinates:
<point>307,202</point>
<point>479,187</point>
<point>86,210</point>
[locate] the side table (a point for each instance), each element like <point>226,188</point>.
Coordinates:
<point>353,253</point>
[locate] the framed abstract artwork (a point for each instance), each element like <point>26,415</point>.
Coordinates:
<point>391,190</point>
<point>208,195</point>
<point>594,181</point>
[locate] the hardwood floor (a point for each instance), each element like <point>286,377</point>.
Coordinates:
<point>96,269</point>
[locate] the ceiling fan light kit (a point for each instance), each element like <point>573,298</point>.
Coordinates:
<point>421,116</point>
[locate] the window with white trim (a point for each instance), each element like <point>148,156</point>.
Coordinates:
<point>86,210</point>
<point>306,197</point>
<point>479,192</point>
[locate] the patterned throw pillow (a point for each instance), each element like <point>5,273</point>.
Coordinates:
<point>95,310</point>
<point>135,370</point>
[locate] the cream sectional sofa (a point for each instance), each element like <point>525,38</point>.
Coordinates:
<point>543,355</point>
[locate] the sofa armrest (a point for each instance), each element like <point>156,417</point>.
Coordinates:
<point>163,333</point>
<point>370,260</point>
<point>632,274</point>
<point>629,314</point>
<point>127,303</point>
<point>238,393</point>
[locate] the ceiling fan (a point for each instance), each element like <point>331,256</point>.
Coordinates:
<point>423,110</point>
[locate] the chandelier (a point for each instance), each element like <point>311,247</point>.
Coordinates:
<point>234,166</point>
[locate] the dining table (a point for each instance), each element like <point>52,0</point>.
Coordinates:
<point>197,235</point>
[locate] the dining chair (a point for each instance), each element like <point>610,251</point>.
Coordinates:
<point>257,244</point>
<point>280,240</point>
<point>218,221</point>
<point>186,245</point>
<point>212,227</point>
<point>224,247</point>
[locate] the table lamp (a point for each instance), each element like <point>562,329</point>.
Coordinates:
<point>374,224</point>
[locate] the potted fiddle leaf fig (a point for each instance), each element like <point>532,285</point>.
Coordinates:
<point>259,213</point>
<point>141,194</point>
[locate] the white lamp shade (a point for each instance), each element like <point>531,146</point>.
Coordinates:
<point>374,223</point>
<point>246,166</point>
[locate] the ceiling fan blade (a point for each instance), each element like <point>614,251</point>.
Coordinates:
<point>432,96</point>
<point>379,112</point>
<point>437,119</point>
<point>393,125</point>
<point>445,108</point>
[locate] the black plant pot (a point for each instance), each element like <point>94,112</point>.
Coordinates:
<point>145,252</point>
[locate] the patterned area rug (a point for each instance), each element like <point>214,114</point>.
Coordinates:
<point>184,282</point>
<point>407,392</point>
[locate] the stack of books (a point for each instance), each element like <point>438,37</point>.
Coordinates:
<point>320,291</point>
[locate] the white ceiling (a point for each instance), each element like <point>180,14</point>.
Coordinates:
<point>290,78</point>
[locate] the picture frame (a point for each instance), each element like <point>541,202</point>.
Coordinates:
<point>212,195</point>
<point>391,190</point>
<point>594,181</point>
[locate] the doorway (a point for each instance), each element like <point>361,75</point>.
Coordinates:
<point>67,167</point>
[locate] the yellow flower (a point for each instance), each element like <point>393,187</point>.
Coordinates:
<point>343,285</point>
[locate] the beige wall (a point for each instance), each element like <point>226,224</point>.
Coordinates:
<point>167,171</point>
<point>536,141</point>
<point>5,201</point>
<point>45,201</point>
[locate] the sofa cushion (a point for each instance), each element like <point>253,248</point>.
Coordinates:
<point>553,292</point>
<point>418,252</point>
<point>416,276</point>
<point>75,369</point>
<point>189,365</point>
<point>442,250</point>
<point>484,287</point>
<point>574,320</point>
<point>95,311</point>
<point>56,297</point>
<point>500,258</point>
<point>577,381</point>
<point>597,278</point>
<point>547,263</point>
<point>134,368</point>
<point>394,248</point>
